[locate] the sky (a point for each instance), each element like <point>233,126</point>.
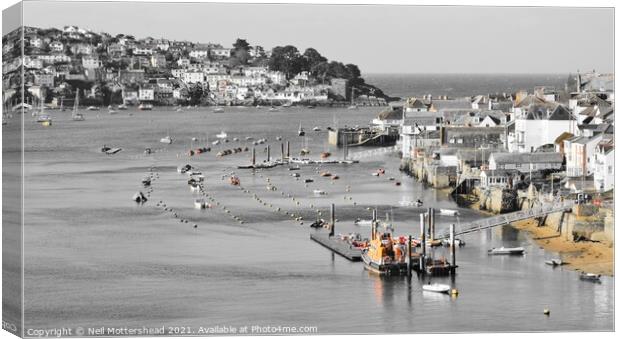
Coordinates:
<point>378,38</point>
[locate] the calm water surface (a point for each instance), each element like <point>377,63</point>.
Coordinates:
<point>95,258</point>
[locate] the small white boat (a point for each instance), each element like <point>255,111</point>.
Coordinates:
<point>507,251</point>
<point>92,108</point>
<point>316,128</point>
<point>111,111</point>
<point>452,213</point>
<point>222,135</point>
<point>235,139</point>
<point>319,192</point>
<point>352,107</point>
<point>122,107</point>
<point>278,138</point>
<point>200,204</point>
<point>436,288</point>
<point>166,140</point>
<point>295,175</point>
<point>273,109</point>
<point>218,109</point>
<point>216,142</point>
<point>361,222</point>
<point>179,109</point>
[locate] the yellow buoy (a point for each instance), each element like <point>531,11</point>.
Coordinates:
<point>454,292</point>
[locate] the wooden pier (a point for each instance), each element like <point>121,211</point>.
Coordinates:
<point>337,246</point>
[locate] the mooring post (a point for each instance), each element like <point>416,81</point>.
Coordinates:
<point>452,249</point>
<point>253,156</point>
<point>373,233</point>
<point>432,223</point>
<point>288,149</point>
<point>423,244</point>
<point>268,153</point>
<point>282,151</point>
<point>409,256</point>
<point>333,221</point>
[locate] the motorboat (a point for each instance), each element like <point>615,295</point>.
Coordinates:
<point>287,104</point>
<point>452,213</point>
<point>222,135</point>
<point>216,142</point>
<point>44,119</point>
<point>235,139</point>
<point>166,140</point>
<point>295,175</point>
<point>316,128</point>
<point>111,111</point>
<point>273,109</point>
<point>507,251</point>
<point>278,138</point>
<point>92,108</point>
<point>145,107</point>
<point>218,109</point>
<point>122,107</point>
<point>590,277</point>
<point>436,288</point>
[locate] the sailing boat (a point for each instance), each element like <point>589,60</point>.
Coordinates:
<point>75,116</point>
<point>353,105</point>
<point>301,131</point>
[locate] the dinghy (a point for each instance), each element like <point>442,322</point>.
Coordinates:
<point>507,251</point>
<point>436,288</point>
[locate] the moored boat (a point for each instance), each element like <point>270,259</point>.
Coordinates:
<point>385,255</point>
<point>166,140</point>
<point>436,288</point>
<point>590,277</point>
<point>554,262</point>
<point>506,251</point>
<point>145,107</point>
<point>218,109</point>
<point>452,213</point>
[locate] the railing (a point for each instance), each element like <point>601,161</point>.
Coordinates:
<point>373,152</point>
<point>508,218</point>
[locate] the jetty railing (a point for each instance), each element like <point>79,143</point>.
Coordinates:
<point>373,152</point>
<point>504,219</point>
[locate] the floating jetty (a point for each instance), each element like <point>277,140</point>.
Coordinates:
<point>334,244</point>
<point>337,246</point>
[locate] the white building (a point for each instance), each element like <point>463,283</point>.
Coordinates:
<point>183,62</point>
<point>220,52</point>
<point>138,50</point>
<point>192,77</point>
<point>56,46</point>
<point>604,165</point>
<point>540,126</point>
<point>146,93</point>
<point>91,62</point>
<point>199,53</point>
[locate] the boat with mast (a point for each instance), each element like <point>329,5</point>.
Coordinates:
<point>75,116</point>
<point>353,105</point>
<point>301,131</point>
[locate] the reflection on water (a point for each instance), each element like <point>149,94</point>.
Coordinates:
<point>94,257</point>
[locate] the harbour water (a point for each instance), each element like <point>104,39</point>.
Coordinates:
<point>95,258</point>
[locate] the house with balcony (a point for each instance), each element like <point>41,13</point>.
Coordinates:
<point>56,46</point>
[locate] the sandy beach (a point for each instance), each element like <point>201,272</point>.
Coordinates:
<point>586,256</point>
